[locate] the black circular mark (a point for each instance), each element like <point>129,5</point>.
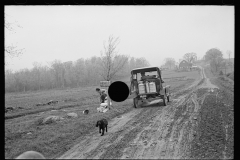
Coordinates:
<point>79,1</point>
<point>118,91</point>
<point>20,1</point>
<point>139,1</point>
<point>228,2</point>
<point>50,1</point>
<point>197,2</point>
<point>110,2</point>
<point>168,2</point>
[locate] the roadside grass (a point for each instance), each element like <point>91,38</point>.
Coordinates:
<point>54,139</point>
<point>222,82</point>
<point>29,100</point>
<point>179,80</point>
<point>172,74</point>
<point>23,133</point>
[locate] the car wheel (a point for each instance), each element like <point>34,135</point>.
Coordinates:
<point>165,100</point>
<point>135,102</point>
<point>168,98</point>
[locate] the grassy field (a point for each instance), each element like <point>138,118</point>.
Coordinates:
<point>179,80</point>
<point>23,131</point>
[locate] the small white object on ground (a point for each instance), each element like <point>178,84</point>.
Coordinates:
<point>51,119</point>
<point>31,155</point>
<point>103,107</point>
<point>74,115</point>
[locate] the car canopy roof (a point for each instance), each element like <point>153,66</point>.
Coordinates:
<point>144,69</point>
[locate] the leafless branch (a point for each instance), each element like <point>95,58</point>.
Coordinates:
<point>109,63</point>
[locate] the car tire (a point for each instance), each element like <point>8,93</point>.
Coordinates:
<point>135,102</point>
<point>168,98</point>
<point>165,100</point>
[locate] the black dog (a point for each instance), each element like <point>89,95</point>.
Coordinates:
<point>102,124</point>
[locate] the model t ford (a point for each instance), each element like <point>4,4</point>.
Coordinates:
<point>146,86</point>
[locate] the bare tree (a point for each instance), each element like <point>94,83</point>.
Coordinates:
<point>68,77</point>
<point>111,63</point>
<point>79,71</point>
<point>24,78</point>
<point>190,57</point>
<point>37,72</point>
<point>142,62</point>
<point>170,62</point>
<point>11,51</point>
<point>58,72</point>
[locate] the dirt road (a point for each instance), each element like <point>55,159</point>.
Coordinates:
<point>153,132</point>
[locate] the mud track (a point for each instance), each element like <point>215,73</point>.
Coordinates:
<point>154,132</point>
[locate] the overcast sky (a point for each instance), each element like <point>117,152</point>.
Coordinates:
<point>154,32</point>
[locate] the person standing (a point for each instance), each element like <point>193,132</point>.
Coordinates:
<point>104,97</point>
<point>102,93</point>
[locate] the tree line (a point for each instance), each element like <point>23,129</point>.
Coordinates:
<point>213,56</point>
<point>170,63</point>
<point>110,66</point>
<point>82,72</point>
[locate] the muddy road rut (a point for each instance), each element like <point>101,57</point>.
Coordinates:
<point>154,132</point>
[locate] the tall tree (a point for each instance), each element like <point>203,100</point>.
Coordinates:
<point>68,77</point>
<point>170,62</point>
<point>24,78</point>
<point>79,71</point>
<point>214,56</point>
<point>190,57</point>
<point>216,63</point>
<point>37,72</point>
<point>142,62</point>
<point>111,63</point>
<point>58,72</point>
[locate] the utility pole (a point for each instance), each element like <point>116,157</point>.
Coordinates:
<point>229,53</point>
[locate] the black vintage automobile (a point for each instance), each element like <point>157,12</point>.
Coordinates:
<point>146,86</point>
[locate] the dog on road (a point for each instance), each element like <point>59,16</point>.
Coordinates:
<point>102,124</point>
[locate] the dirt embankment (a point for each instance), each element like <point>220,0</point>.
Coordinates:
<point>215,135</point>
